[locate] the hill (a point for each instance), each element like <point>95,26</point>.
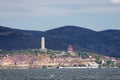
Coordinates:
<point>13,39</point>
<point>104,42</point>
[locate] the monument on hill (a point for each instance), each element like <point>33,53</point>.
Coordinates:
<point>43,44</point>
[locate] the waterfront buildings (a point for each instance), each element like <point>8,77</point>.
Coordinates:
<point>52,59</point>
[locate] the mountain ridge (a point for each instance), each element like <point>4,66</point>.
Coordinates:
<point>105,42</point>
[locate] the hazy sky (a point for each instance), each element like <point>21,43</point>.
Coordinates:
<point>47,14</point>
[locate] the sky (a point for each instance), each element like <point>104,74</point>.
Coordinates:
<point>43,15</point>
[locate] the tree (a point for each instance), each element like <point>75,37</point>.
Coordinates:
<point>44,67</point>
<point>109,62</point>
<point>98,60</point>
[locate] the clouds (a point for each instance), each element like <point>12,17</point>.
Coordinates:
<point>115,1</point>
<point>48,8</point>
<point>25,14</point>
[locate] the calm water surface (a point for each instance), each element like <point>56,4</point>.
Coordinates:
<point>60,74</point>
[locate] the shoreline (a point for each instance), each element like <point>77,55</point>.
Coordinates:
<point>64,68</point>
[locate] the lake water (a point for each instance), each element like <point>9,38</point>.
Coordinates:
<point>60,74</point>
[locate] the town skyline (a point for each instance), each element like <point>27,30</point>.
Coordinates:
<point>43,58</point>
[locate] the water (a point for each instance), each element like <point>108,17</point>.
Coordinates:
<point>60,74</point>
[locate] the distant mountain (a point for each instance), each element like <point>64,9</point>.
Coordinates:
<point>12,39</point>
<point>104,42</point>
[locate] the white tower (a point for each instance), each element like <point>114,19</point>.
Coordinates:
<point>42,43</point>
